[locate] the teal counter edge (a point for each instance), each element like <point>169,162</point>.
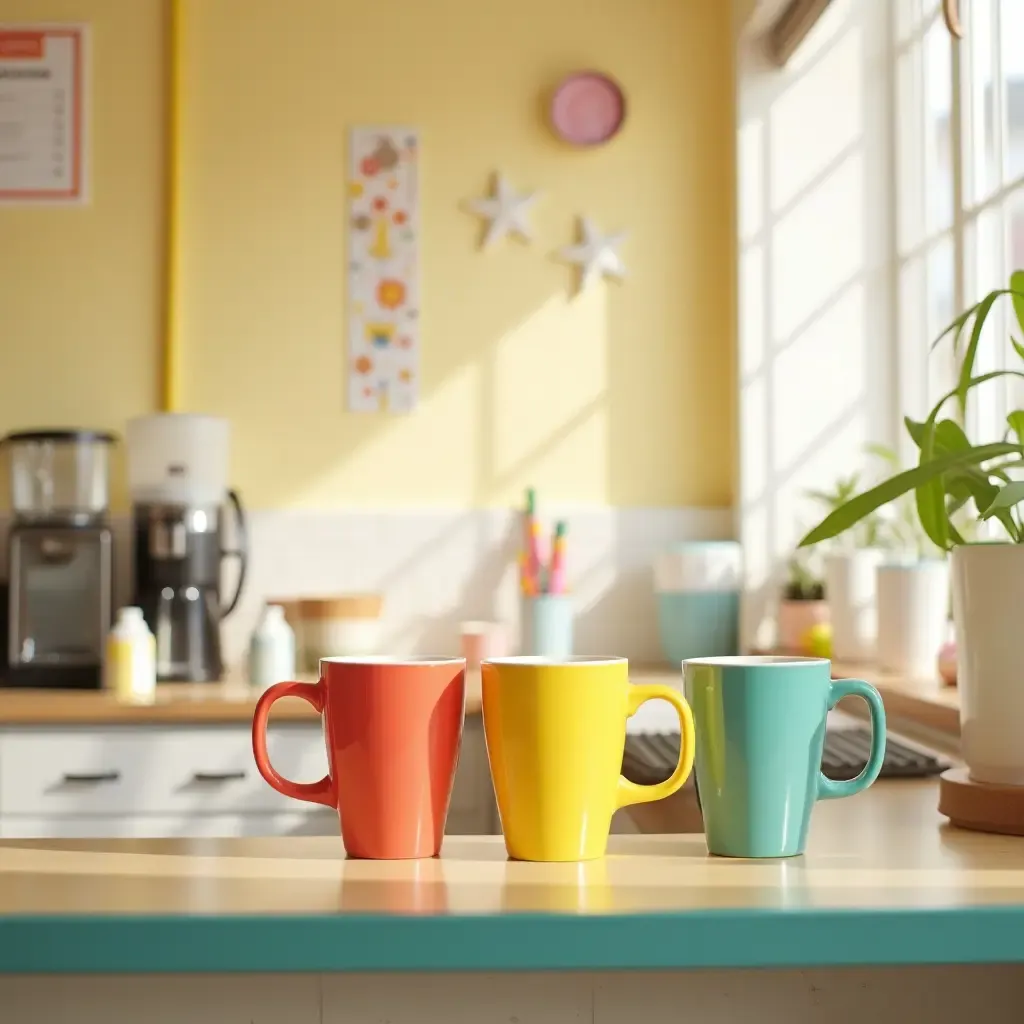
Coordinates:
<point>509,942</point>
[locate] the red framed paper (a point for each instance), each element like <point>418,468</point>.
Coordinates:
<point>42,113</point>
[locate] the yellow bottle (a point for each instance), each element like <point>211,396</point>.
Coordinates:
<point>130,663</point>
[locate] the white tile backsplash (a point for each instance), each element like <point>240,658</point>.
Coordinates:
<point>438,568</point>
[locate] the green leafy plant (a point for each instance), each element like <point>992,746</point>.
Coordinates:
<point>803,583</point>
<point>953,476</point>
<point>868,531</point>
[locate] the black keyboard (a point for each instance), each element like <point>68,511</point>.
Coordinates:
<point>650,757</point>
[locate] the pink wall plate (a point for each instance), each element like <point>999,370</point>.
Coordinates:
<point>588,109</point>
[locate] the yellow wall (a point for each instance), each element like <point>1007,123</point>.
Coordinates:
<point>621,395</point>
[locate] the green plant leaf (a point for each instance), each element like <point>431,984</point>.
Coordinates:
<point>1017,298</point>
<point>955,328</point>
<point>1016,422</point>
<point>949,435</point>
<point>967,366</point>
<point>930,496</point>
<point>841,519</point>
<point>914,429</point>
<point>1005,499</point>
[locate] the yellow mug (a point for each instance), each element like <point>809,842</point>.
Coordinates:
<point>555,730</point>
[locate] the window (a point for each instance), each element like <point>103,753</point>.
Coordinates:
<point>959,151</point>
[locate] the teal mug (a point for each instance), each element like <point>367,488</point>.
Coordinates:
<point>760,727</point>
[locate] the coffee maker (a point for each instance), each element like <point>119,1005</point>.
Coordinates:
<point>177,475</point>
<point>60,558</point>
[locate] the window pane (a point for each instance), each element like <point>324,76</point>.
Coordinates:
<point>909,155</point>
<point>1016,230</point>
<point>1012,33</point>
<point>1015,249</point>
<point>908,18</point>
<point>938,91</point>
<point>981,155</point>
<point>941,361</point>
<point>987,407</point>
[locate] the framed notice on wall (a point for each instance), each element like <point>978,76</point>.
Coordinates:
<point>42,113</point>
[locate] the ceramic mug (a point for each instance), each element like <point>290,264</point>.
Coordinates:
<point>393,729</point>
<point>761,728</point>
<point>556,730</point>
<point>482,640</point>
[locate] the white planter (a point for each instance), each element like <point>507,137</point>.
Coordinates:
<point>988,606</point>
<point>850,580</point>
<point>913,618</point>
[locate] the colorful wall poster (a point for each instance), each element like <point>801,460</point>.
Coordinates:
<point>383,270</point>
<point>42,113</point>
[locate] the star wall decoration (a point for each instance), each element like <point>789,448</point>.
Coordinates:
<point>594,254</point>
<point>506,212</point>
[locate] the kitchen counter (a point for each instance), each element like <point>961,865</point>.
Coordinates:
<point>883,882</point>
<point>230,701</point>
<point>890,917</point>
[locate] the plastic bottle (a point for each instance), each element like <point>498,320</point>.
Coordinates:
<point>272,649</point>
<point>130,664</point>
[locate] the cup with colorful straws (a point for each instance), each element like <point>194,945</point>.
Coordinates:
<point>547,606</point>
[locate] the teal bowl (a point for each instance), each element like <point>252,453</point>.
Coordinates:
<point>699,624</point>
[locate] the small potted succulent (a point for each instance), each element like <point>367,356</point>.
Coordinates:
<point>802,607</point>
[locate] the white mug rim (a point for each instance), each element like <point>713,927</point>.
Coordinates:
<point>539,661</point>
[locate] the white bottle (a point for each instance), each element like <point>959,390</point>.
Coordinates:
<point>272,649</point>
<point>130,664</point>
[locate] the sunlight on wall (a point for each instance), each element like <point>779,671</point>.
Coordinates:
<point>548,411</point>
<point>813,300</point>
<point>272,89</point>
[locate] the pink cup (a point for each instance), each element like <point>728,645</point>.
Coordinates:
<point>482,640</point>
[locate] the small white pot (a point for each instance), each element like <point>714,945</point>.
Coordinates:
<point>850,580</point>
<point>988,603</point>
<point>913,618</point>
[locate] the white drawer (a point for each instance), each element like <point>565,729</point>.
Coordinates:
<point>151,770</point>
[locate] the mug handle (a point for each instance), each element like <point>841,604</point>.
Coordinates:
<point>633,793</point>
<point>829,789</point>
<point>322,792</point>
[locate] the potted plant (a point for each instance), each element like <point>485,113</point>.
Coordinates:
<point>955,480</point>
<point>802,607</point>
<point>850,576</point>
<point>912,591</point>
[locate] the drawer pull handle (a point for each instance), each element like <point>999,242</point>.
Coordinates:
<point>218,776</point>
<point>70,777</point>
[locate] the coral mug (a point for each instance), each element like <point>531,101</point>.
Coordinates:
<point>556,731</point>
<point>393,730</point>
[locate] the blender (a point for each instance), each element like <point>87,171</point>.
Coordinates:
<point>177,475</point>
<point>60,558</point>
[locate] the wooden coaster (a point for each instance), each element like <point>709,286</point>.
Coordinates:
<point>981,806</point>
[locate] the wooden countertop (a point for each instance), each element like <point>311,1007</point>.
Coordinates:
<point>929,703</point>
<point>230,701</point>
<point>884,881</point>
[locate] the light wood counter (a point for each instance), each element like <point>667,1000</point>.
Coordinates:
<point>125,903</point>
<point>176,704</point>
<point>232,700</point>
<point>931,704</point>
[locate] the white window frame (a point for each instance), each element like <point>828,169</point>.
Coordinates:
<point>920,373</point>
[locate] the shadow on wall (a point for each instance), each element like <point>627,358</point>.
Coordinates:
<point>815,305</point>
